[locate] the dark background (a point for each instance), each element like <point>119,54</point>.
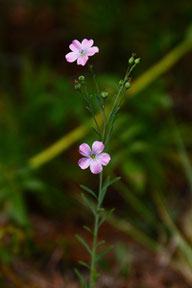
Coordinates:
<point>40,205</point>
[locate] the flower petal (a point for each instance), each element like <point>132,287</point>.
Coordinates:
<point>82,60</point>
<point>91,51</point>
<point>84,149</point>
<point>95,166</point>
<point>104,158</point>
<point>84,163</point>
<point>71,56</point>
<point>97,147</point>
<point>86,43</point>
<point>75,46</point>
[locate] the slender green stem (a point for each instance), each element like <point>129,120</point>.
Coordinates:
<point>102,106</point>
<point>85,93</point>
<point>129,69</point>
<point>95,235</point>
<point>93,274</point>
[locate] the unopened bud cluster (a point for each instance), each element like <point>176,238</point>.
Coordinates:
<point>133,60</point>
<point>104,95</point>
<point>79,82</point>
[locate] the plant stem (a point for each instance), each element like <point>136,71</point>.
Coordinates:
<point>95,235</point>
<point>129,69</point>
<point>93,274</point>
<point>140,84</point>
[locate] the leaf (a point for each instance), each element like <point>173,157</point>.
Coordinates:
<point>100,243</point>
<point>81,279</point>
<point>82,263</point>
<point>100,102</point>
<point>112,117</point>
<point>114,112</point>
<point>88,229</point>
<point>89,204</point>
<point>107,214</point>
<point>103,191</point>
<point>88,190</point>
<point>89,108</point>
<point>97,132</point>
<point>82,241</point>
<point>114,180</point>
<point>106,184</point>
<point>102,253</point>
<point>17,210</point>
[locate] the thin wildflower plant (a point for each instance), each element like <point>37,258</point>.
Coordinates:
<point>96,157</point>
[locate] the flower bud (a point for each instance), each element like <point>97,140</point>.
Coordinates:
<point>137,60</point>
<point>77,86</point>
<point>127,85</point>
<point>131,60</point>
<point>104,94</point>
<point>121,82</point>
<point>81,78</point>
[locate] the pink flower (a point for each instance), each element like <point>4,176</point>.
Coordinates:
<point>93,157</point>
<point>81,51</point>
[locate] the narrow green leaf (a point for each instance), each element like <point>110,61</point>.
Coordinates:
<point>100,243</point>
<point>107,214</point>
<point>110,129</point>
<point>88,190</point>
<point>103,192</point>
<point>97,132</point>
<point>88,229</point>
<point>105,184</point>
<point>99,101</point>
<point>82,263</point>
<point>113,181</point>
<point>82,241</point>
<point>89,204</point>
<point>114,112</point>
<point>81,279</point>
<point>90,109</point>
<point>102,253</point>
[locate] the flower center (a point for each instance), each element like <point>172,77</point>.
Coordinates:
<point>93,156</point>
<point>83,53</point>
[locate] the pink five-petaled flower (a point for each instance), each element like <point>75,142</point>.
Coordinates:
<point>93,157</point>
<point>81,51</point>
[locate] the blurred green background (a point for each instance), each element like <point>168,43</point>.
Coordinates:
<point>40,208</point>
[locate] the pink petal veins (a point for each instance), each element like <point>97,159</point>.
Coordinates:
<point>104,158</point>
<point>82,60</point>
<point>84,163</point>
<point>71,56</point>
<point>75,45</point>
<point>86,43</point>
<point>84,149</point>
<point>91,51</point>
<point>97,147</point>
<point>95,167</point>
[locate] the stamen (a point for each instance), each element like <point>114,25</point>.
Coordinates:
<point>83,53</point>
<point>93,156</point>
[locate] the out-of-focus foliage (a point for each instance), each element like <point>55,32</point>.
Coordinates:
<point>38,105</point>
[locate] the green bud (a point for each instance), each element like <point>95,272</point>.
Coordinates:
<point>81,78</point>
<point>100,210</point>
<point>104,94</point>
<point>127,85</point>
<point>137,60</point>
<point>131,60</point>
<point>77,86</point>
<point>121,82</point>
